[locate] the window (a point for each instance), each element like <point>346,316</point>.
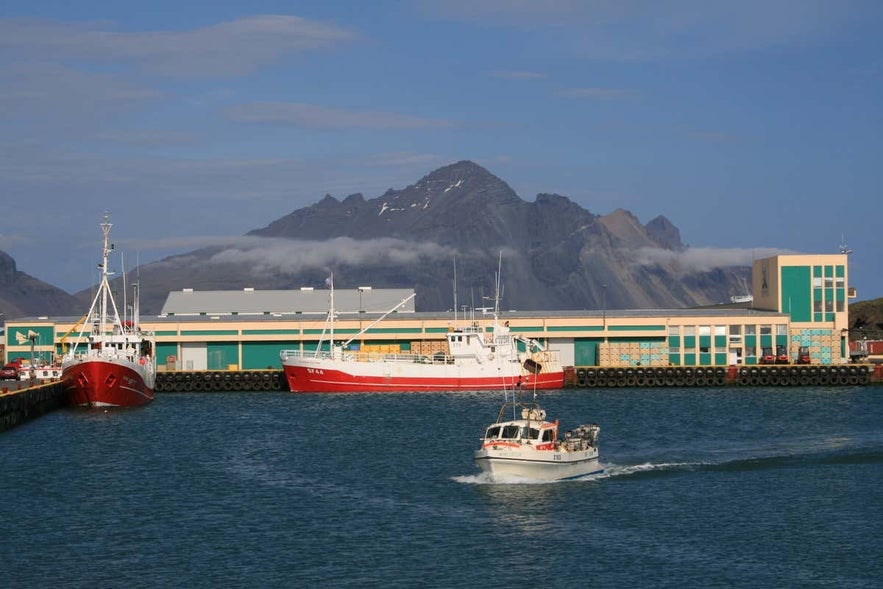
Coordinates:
<point>750,330</point>
<point>781,330</point>
<point>840,306</point>
<point>674,330</point>
<point>689,330</point>
<point>766,330</point>
<point>750,351</point>
<point>735,330</point>
<point>493,432</point>
<point>704,330</point>
<point>817,306</point>
<point>511,431</point>
<point>703,349</point>
<point>720,330</point>
<point>548,435</point>
<point>817,282</point>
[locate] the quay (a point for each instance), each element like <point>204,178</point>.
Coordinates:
<point>31,399</point>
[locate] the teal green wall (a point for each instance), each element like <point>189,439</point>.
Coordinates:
<point>257,355</point>
<point>219,355</point>
<point>165,350</point>
<point>797,292</point>
<point>585,352</point>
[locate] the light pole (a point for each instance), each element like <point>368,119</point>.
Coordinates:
<point>604,306</point>
<point>361,290</point>
<point>604,311</point>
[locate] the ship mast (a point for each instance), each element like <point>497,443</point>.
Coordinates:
<point>105,285</point>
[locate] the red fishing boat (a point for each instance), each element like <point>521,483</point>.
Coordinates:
<point>482,354</point>
<point>111,363</point>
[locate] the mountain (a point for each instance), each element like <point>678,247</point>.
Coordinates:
<point>22,295</point>
<point>555,254</point>
<point>866,320</point>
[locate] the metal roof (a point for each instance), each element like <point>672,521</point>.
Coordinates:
<point>285,302</point>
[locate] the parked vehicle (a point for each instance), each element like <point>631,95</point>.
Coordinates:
<point>766,356</point>
<point>803,355</point>
<point>9,372</point>
<point>781,355</point>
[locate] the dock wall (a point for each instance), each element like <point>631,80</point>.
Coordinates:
<point>703,376</point>
<point>21,405</point>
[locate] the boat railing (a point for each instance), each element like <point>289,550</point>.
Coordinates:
<point>370,356</point>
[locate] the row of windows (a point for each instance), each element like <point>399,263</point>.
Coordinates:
<point>707,330</point>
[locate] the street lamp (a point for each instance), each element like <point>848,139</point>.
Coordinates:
<point>361,290</point>
<point>604,305</point>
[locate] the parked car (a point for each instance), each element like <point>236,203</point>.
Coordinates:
<point>9,372</point>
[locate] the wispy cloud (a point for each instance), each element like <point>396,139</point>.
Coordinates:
<point>324,117</point>
<point>517,75</point>
<point>647,30</point>
<point>596,93</point>
<point>703,259</point>
<point>227,48</point>
<point>287,256</point>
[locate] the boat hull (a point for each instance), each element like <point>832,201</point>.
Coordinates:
<point>504,463</point>
<point>328,376</point>
<point>99,382</point>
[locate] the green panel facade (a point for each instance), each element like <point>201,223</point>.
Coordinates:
<point>220,355</point>
<point>689,359</point>
<point>164,350</point>
<point>705,359</point>
<point>259,355</point>
<point>585,352</point>
<point>797,292</point>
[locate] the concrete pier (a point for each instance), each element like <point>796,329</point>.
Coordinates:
<point>20,405</point>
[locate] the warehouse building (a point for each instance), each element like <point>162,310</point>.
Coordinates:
<point>799,304</point>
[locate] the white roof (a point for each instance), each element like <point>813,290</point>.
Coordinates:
<point>285,302</point>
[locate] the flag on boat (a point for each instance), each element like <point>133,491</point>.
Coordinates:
<point>329,282</point>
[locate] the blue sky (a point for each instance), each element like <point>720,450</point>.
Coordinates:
<point>751,125</point>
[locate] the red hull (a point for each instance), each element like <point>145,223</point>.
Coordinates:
<point>307,380</point>
<point>101,383</point>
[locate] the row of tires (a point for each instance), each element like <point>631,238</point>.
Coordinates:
<point>804,375</point>
<point>686,376</point>
<point>179,382</point>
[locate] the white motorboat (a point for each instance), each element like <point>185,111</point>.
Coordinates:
<point>522,443</point>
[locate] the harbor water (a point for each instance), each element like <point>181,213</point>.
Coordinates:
<point>728,487</point>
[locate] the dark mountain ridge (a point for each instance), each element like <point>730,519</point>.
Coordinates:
<point>556,254</point>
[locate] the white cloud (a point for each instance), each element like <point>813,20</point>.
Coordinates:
<point>227,48</point>
<point>287,256</point>
<point>517,75</point>
<point>702,259</point>
<point>596,93</point>
<point>324,117</point>
<point>649,30</point>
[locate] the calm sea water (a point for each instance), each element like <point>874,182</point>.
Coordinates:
<point>703,488</point>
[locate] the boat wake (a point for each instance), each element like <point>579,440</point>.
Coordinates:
<point>844,452</point>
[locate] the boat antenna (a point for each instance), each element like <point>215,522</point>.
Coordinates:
<point>455,290</point>
<point>379,319</point>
